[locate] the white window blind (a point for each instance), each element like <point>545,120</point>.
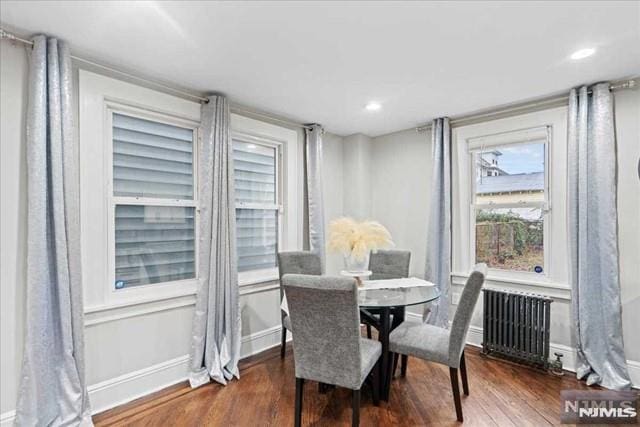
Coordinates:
<point>154,244</point>
<point>256,186</point>
<point>151,159</point>
<point>153,201</point>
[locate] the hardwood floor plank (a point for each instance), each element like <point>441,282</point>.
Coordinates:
<point>500,395</point>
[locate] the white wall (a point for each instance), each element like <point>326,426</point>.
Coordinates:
<point>333,186</point>
<point>356,151</point>
<point>400,174</point>
<point>132,351</point>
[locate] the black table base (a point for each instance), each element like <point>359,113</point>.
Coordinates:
<point>384,325</point>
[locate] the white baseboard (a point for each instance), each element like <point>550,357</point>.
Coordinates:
<point>261,341</point>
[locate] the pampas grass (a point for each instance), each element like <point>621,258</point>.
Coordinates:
<point>357,239</point>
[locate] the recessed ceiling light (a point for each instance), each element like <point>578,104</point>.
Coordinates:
<point>583,53</point>
<point>373,106</point>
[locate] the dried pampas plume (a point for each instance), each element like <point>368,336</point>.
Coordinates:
<point>357,239</point>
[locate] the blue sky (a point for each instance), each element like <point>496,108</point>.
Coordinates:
<point>522,158</point>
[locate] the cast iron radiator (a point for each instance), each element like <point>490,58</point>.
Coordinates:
<point>516,327</point>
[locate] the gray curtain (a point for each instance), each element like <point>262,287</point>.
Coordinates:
<point>215,348</point>
<point>438,266</point>
<point>52,385</point>
<point>593,238</point>
<point>315,204</point>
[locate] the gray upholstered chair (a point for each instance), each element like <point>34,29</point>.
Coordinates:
<point>327,346</point>
<point>445,346</point>
<point>299,262</point>
<point>389,264</point>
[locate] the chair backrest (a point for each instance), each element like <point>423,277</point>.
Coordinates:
<point>389,264</point>
<point>464,312</point>
<point>325,317</point>
<point>298,262</point>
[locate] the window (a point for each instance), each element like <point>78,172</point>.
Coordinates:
<point>154,201</point>
<point>257,182</point>
<point>510,199</point>
<point>268,187</point>
<point>490,210</point>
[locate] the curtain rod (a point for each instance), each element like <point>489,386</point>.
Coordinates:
<point>12,37</point>
<point>550,102</point>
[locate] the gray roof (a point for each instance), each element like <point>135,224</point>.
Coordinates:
<point>510,183</point>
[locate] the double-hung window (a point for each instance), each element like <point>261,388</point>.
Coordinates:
<point>258,205</point>
<point>153,201</point>
<point>510,199</point>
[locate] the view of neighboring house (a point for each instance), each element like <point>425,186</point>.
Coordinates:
<point>495,185</point>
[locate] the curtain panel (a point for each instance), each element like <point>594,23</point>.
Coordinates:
<point>215,341</point>
<point>438,262</point>
<point>593,238</point>
<point>52,388</point>
<point>315,203</point>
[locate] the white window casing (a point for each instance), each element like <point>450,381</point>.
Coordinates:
<point>100,98</point>
<point>548,127</point>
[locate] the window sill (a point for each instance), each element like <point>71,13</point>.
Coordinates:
<point>548,288</point>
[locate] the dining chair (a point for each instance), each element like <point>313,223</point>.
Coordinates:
<point>389,264</point>
<point>295,262</point>
<point>440,345</point>
<point>327,345</point>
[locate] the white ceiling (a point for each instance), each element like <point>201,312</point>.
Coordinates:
<point>323,61</point>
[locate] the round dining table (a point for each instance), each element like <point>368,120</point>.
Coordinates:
<point>385,303</point>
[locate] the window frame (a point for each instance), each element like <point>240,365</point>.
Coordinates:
<point>265,274</point>
<point>556,239</point>
<point>289,188</point>
<point>115,107</point>
<point>544,206</point>
<point>96,93</point>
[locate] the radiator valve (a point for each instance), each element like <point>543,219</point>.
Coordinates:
<point>556,365</point>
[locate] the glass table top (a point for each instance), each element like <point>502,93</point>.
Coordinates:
<point>399,297</point>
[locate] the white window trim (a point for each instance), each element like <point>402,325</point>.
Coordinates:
<point>288,191</point>
<point>556,239</point>
<point>98,93</point>
<point>141,292</point>
<point>545,206</point>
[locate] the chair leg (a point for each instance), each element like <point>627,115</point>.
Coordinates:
<point>463,374</point>
<point>403,365</point>
<point>299,390</point>
<point>355,409</point>
<point>283,344</point>
<point>396,356</point>
<point>369,331</point>
<point>376,376</point>
<point>453,373</point>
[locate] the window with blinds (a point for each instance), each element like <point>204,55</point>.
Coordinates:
<point>257,207</point>
<point>153,201</point>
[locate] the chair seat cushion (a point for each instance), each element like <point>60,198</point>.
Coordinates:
<point>286,322</point>
<point>370,352</point>
<point>424,341</point>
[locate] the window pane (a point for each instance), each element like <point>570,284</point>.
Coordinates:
<point>510,239</point>
<point>257,238</point>
<point>510,174</point>
<point>151,159</point>
<point>255,172</point>
<point>154,244</point>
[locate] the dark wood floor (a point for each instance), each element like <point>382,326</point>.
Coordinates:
<point>500,394</point>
